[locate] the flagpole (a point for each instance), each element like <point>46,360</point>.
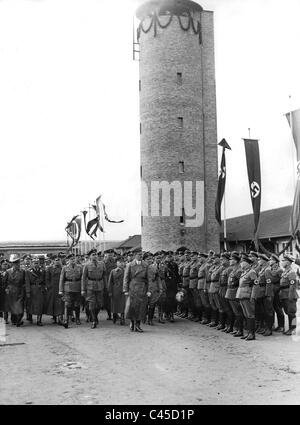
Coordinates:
<point>225,227</point>
<point>292,144</point>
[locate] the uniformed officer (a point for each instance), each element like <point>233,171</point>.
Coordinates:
<point>230,295</point>
<point>225,311</point>
<point>288,293</point>
<point>192,290</point>
<point>155,287</point>
<point>35,285</point>
<point>3,302</point>
<point>213,277</point>
<point>258,296</point>
<point>70,287</point>
<point>273,276</point>
<point>262,305</point>
<point>115,290</point>
<point>93,283</point>
<point>244,295</point>
<point>172,280</point>
<point>110,264</point>
<point>54,303</point>
<point>14,284</point>
<point>205,265</point>
<point>186,281</point>
<point>268,294</point>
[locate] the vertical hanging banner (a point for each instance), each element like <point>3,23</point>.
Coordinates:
<point>254,176</point>
<point>294,122</point>
<point>221,182</point>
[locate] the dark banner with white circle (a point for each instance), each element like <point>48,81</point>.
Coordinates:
<point>254,176</point>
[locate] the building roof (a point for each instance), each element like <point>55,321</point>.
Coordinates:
<point>273,224</point>
<point>131,242</point>
<point>163,6</point>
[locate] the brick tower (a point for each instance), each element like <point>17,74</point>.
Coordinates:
<point>178,125</point>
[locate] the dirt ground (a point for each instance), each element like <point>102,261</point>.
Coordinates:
<point>173,363</point>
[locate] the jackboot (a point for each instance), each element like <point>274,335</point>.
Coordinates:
<point>213,322</point>
<point>239,323</point>
<point>160,319</point>
<point>221,325</point>
<point>137,326</point>
<point>269,324</point>
<point>39,320</point>
<point>291,330</point>
<point>131,326</point>
<point>247,328</point>
<point>251,335</point>
<point>122,321</point>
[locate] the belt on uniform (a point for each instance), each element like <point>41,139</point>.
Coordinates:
<point>284,287</point>
<point>214,281</point>
<point>71,280</point>
<point>186,276</point>
<point>94,280</point>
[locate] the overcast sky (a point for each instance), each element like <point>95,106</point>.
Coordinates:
<point>69,108</point>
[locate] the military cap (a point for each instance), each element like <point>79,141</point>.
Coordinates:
<point>247,259</point>
<point>109,251</point>
<point>187,251</point>
<point>244,255</point>
<point>170,253</point>
<point>92,251</point>
<point>147,255</point>
<point>263,256</point>
<point>202,254</point>
<point>14,258</point>
<point>194,253</point>
<point>225,255</point>
<point>70,256</point>
<point>289,258</point>
<point>235,256</point>
<point>157,253</point>
<point>216,256</point>
<point>254,254</point>
<point>275,257</point>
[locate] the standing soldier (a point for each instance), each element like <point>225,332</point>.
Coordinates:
<point>186,282</point>
<point>135,287</point>
<point>244,295</point>
<point>54,303</point>
<point>26,266</point>
<point>288,292</point>
<point>14,284</point>
<point>35,290</point>
<point>115,291</point>
<point>230,296</point>
<point>192,290</point>
<point>258,294</point>
<point>93,283</point>
<point>3,302</point>
<point>172,280</point>
<point>110,264</point>
<point>225,311</point>
<point>69,288</point>
<point>205,264</point>
<point>273,276</point>
<point>155,287</point>
<point>213,290</point>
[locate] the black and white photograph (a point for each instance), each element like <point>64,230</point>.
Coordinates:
<point>150,205</point>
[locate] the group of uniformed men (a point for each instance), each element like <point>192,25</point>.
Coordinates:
<point>237,293</point>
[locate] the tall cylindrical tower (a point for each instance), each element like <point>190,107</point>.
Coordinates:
<point>177,125</point>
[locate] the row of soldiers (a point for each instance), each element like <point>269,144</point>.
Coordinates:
<point>234,292</point>
<point>63,284</point>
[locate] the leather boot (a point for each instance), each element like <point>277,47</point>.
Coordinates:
<point>77,315</point>
<point>29,318</point>
<point>39,320</point>
<point>131,326</point>
<point>269,323</point>
<point>251,335</point>
<point>137,327</point>
<point>122,321</point>
<point>213,323</point>
<point>19,321</point>
<point>247,328</point>
<point>239,323</point>
<point>292,327</point>
<point>160,319</point>
<point>67,317</point>
<point>221,325</point>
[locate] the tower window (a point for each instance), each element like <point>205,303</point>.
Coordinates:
<point>140,85</point>
<point>180,122</point>
<point>179,78</point>
<point>142,220</point>
<point>141,171</point>
<point>181,167</point>
<point>140,128</point>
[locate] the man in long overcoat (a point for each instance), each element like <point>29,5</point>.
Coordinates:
<point>54,302</point>
<point>135,287</point>
<point>115,291</point>
<point>14,284</point>
<point>35,286</point>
